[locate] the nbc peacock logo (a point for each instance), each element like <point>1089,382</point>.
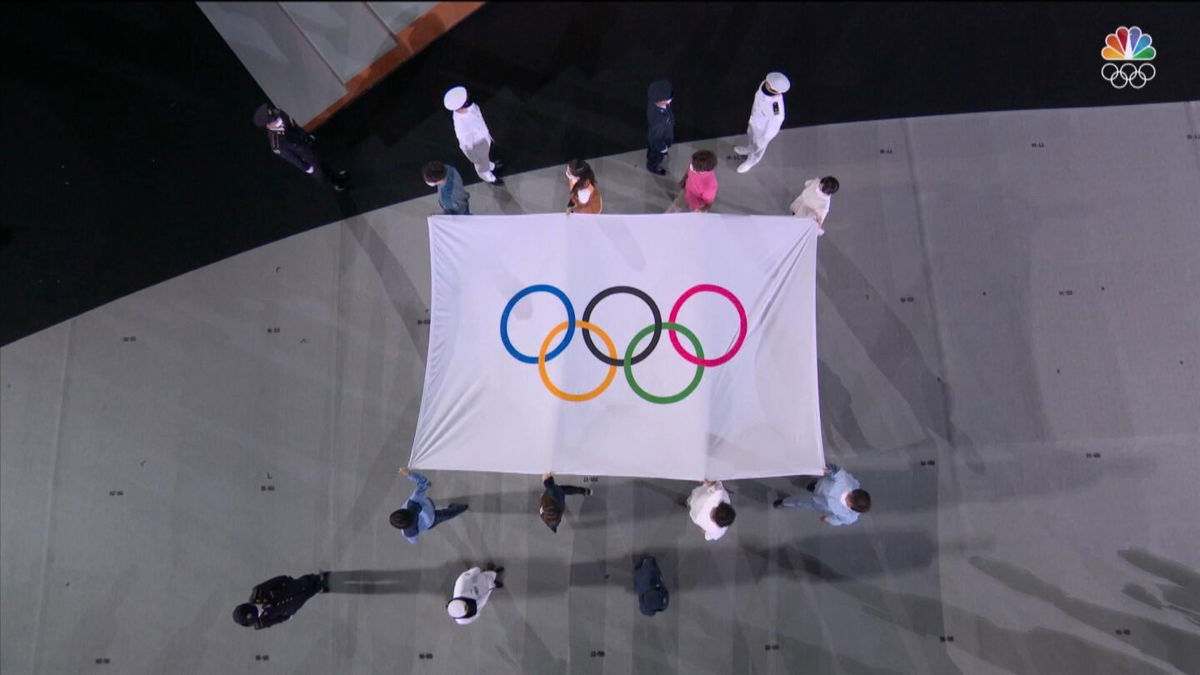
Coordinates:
<point>1127,54</point>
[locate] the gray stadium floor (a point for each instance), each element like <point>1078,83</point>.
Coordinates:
<point>1008,328</point>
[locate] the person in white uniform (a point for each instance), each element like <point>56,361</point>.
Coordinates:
<point>814,201</point>
<point>474,139</point>
<point>471,592</point>
<point>709,508</point>
<point>766,118</point>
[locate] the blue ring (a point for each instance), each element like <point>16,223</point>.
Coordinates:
<point>545,288</point>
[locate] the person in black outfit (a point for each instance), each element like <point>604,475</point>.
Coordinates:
<point>554,500</point>
<point>648,584</point>
<point>276,600</point>
<point>291,142</point>
<point>660,124</point>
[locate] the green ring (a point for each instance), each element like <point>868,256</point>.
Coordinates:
<point>687,391</point>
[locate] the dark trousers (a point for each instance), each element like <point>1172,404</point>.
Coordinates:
<point>654,158</point>
<point>442,515</point>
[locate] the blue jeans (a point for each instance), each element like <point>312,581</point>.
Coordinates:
<point>442,515</point>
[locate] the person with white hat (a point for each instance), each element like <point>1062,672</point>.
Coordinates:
<point>474,139</point>
<point>766,118</point>
<point>471,592</point>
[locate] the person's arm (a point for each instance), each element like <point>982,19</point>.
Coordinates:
<point>268,620</point>
<point>422,485</point>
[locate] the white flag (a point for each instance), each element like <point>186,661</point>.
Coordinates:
<point>668,346</point>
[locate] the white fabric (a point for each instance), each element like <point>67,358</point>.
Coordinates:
<point>476,585</point>
<point>584,195</point>
<point>755,415</point>
<point>701,502</point>
<point>812,203</point>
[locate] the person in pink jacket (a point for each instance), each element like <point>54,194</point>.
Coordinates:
<point>699,184</point>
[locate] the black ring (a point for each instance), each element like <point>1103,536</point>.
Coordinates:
<point>641,295</point>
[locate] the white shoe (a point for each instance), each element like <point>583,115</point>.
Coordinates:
<point>744,167</point>
<point>741,150</point>
<point>820,232</point>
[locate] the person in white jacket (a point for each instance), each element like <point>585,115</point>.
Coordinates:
<point>766,118</point>
<point>471,592</point>
<point>710,509</point>
<point>474,139</point>
<point>814,201</point>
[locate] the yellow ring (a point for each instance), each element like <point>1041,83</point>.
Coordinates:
<point>612,370</point>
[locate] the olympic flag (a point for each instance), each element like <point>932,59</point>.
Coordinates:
<point>666,346</point>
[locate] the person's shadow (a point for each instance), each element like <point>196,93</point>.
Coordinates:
<point>1181,595</point>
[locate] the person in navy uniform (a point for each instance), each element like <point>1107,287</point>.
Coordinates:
<point>648,584</point>
<point>291,142</point>
<point>276,600</point>
<point>660,125</point>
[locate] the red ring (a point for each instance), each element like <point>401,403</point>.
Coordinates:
<point>737,345</point>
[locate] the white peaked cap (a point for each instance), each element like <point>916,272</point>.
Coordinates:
<point>778,82</point>
<point>457,609</point>
<point>456,97</point>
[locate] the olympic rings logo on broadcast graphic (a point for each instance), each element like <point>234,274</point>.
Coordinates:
<point>1134,75</point>
<point>611,359</point>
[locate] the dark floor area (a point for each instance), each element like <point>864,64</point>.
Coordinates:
<point>131,157</point>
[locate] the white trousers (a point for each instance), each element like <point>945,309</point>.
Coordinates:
<point>758,139</point>
<point>477,153</point>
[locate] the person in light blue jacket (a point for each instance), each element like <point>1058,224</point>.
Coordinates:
<point>836,495</point>
<point>419,513</point>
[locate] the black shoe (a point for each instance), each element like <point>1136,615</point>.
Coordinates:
<point>659,171</point>
<point>324,582</point>
<point>778,503</point>
<point>498,584</point>
<point>499,181</point>
<point>587,492</point>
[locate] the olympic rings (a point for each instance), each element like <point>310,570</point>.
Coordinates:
<point>513,302</point>
<point>737,344</point>
<point>1129,73</point>
<point>641,295</point>
<point>541,361</point>
<point>612,360</point>
<point>675,398</point>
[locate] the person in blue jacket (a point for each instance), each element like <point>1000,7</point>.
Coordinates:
<point>453,197</point>
<point>419,513</point>
<point>836,495</point>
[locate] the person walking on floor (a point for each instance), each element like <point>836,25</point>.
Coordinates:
<point>554,500</point>
<point>660,125</point>
<point>585,194</point>
<point>471,592</point>
<point>710,508</point>
<point>814,201</point>
<point>836,495</point>
<point>277,599</point>
<point>419,513</point>
<point>451,194</point>
<point>699,184</point>
<point>291,142</point>
<point>474,139</point>
<point>648,584</point>
<point>766,118</point>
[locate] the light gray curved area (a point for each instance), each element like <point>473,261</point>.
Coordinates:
<point>1008,329</point>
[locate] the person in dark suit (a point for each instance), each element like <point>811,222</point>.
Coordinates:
<point>554,500</point>
<point>660,125</point>
<point>647,583</point>
<point>291,142</point>
<point>276,600</point>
